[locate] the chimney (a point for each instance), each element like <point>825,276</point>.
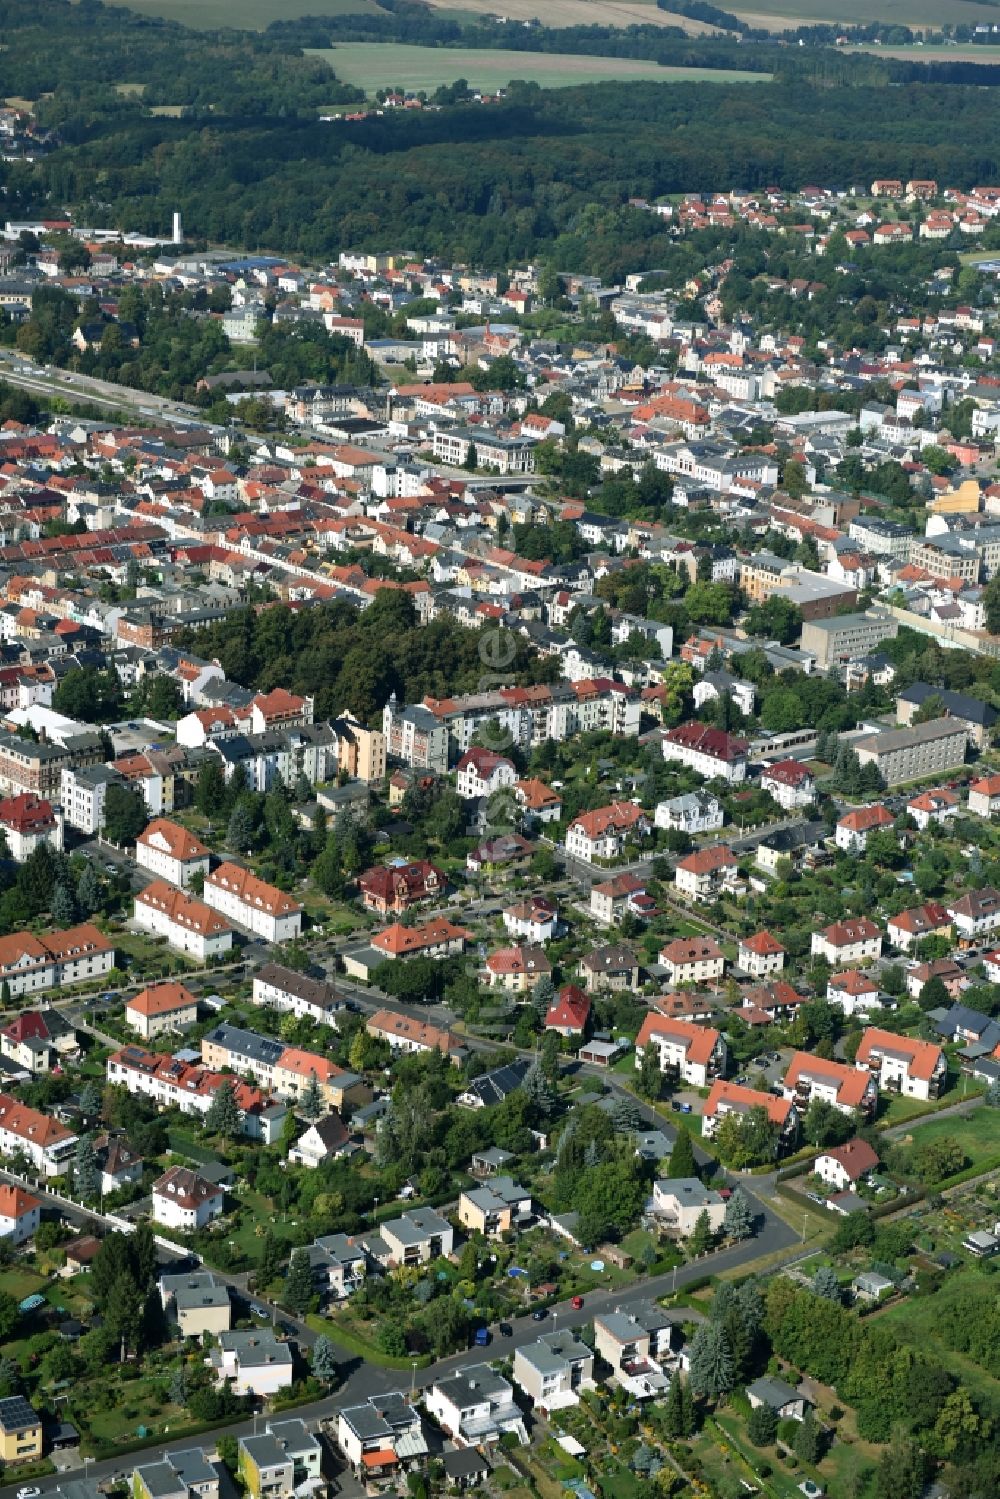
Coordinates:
<point>178,235</point>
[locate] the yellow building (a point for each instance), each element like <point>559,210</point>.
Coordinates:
<point>967,499</point>
<point>20,1431</point>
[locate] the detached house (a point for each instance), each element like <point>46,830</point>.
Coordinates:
<point>910,927</point>
<point>161,1008</point>
<point>517,969</point>
<point>854,827</point>
<point>391,891</point>
<point>554,1370</point>
<point>602,834</point>
<point>976,914</point>
<point>413,1239</point>
<point>381,1438</point>
<point>481,773</point>
<point>20,1214</point>
<point>853,991</point>
<point>847,1088</point>
<point>843,1166</point>
<point>569,1012</point>
<point>848,943</point>
<point>933,806</point>
<point>498,1208</point>
<point>475,1407</point>
<point>901,1064</point>
<point>706,874</point>
<point>691,1054</point>
<point>635,1344</point>
<point>46,1143</point>
<point>713,753</point>
<point>186,1201</point>
<point>692,960</point>
<point>535,918</point>
<point>27,821</point>
<point>984,796</point>
<point>614,967</point>
<point>789,783</point>
<point>760,955</point>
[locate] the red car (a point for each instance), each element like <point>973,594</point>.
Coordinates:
<point>577,1303</point>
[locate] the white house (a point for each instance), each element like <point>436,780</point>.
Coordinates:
<point>695,812</point>
<point>682,1200</point>
<point>976,914</point>
<point>171,853</point>
<point>843,1166</point>
<point>693,1053</point>
<point>480,773</point>
<point>851,833</point>
<point>475,1406</point>
<point>902,1064</point>
<point>789,783</point>
<point>47,1144</point>
<point>760,955</point>
<point>706,873</point>
<point>602,834</point>
<point>185,1201</point>
<point>713,753</point>
<point>83,792</point>
<point>28,820</point>
<point>853,991</point>
<point>254,1360</point>
<point>20,1214</point>
<point>161,1008</point>
<point>250,902</point>
<point>189,925</point>
<point>849,943</point>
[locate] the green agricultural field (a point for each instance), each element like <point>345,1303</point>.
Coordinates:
<point>374,65</point>
<point>777,15</point>
<point>242,15</point>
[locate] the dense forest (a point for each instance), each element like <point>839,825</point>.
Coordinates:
<point>546,173</point>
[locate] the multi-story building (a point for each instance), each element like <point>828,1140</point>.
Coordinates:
<point>197,1303</point>
<point>908,928</point>
<point>901,1064</point>
<point>707,873</point>
<point>636,1344</point>
<point>360,751</point>
<point>498,1208</point>
<point>613,967</point>
<point>853,991</point>
<point>30,964</point>
<point>391,890</point>
<point>296,993</point>
<point>690,1054</point>
<point>517,969</point>
<point>833,642</point>
<point>846,1088</point>
<point>415,1238</point>
<point>83,790</point>
<point>415,736</point>
<point>984,796</point>
<point>977,716</point>
<point>480,772</point>
<point>681,1200</point>
<point>37,768</point>
<point>692,960</point>
<point>603,833</point>
<point>27,821</point>
<point>852,830</point>
<point>733,1098</point>
<point>189,925</point>
<point>171,853</point>
<point>713,753</point>
<point>843,1166</point>
<point>39,1040</point>
<point>250,902</point>
<point>47,1144</point>
<point>554,1370</point>
<point>20,1214</point>
<point>381,1437</point>
<point>789,783</point>
<point>695,812</point>
<point>277,1462</point>
<point>252,1361</point>
<point>975,915</point>
<point>927,749</point>
<point>847,944</point>
<point>406,1033</point>
<point>431,939</point>
<point>760,955</point>
<point>475,1407</point>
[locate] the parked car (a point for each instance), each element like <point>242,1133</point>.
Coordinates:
<point>577,1303</point>
<point>505,1330</point>
<point>539,1314</point>
<point>29,1491</point>
<point>675,1105</point>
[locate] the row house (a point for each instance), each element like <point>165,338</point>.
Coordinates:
<point>690,1054</point>
<point>36,768</point>
<point>407,1034</point>
<point>295,993</point>
<point>189,925</point>
<point>176,1084</point>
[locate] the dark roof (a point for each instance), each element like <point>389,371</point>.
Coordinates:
<point>466,1463</point>
<point>957,704</point>
<point>494,1087</point>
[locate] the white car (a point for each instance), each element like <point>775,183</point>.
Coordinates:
<point>30,1491</point>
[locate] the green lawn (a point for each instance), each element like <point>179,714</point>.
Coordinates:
<point>375,65</point>
<point>978,1133</point>
<point>19,1281</point>
<point>917,1318</point>
<point>253,15</point>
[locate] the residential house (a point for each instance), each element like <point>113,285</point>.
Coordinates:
<point>910,927</point>
<point>189,925</point>
<point>976,914</point>
<point>119,1164</point>
<point>713,753</point>
<point>946,969</point>
<point>497,1208</point>
<point>493,1087</point>
<point>611,899</point>
<point>324,1140</point>
<point>171,1082</point>
<point>770,1002</point>
<point>984,796</point>
<point>706,874</point>
<point>197,1303</point>
<point>171,853</point>
<point>680,1201</point>
<point>30,964</point>
<point>615,967</point>
<point>786,1402</point>
<point>848,943</point>
<point>843,1166</point>
<point>254,1360</point>
<point>475,1407</point>
<point>853,829</point>
<point>694,812</point>
<point>433,939</point>
<point>760,955</point>
<point>536,919</point>
<point>937,806</point>
<point>481,772</point>
<point>569,1012</point>
<point>538,801</point>
<point>902,1064</point>
<point>391,890</point>
<point>39,1040</point>
<point>381,1437</point>
<point>161,1008</point>
<point>847,1088</point>
<point>339,1265</point>
<point>184,1200</point>
<point>603,834</point>
<point>263,909</point>
<point>517,969</point>
<point>20,1214</point>
<point>28,821</point>
<point>20,1432</point>
<point>415,1238</point>
<point>47,1145</point>
<point>733,1098</point>
<point>297,994</point>
<point>178,1475</point>
<point>855,992</point>
<point>687,1054</point>
<point>635,1344</point>
<point>283,1460</point>
<point>404,1033</point>
<point>552,1371</point>
<point>692,960</point>
<point>790,783</point>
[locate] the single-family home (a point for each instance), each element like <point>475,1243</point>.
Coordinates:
<point>786,1402</point>
<point>615,967</point>
<point>937,806</point>
<point>186,1201</point>
<point>694,812</point>
<point>976,914</point>
<point>848,943</point>
<point>603,833</point>
<point>389,890</point>
<point>760,955</point>
<point>692,960</point>
<point>843,1166</point>
<point>680,1201</point>
<point>481,772</point>
<point>790,783</point>
<point>535,919</point>
<point>611,899</point>
<point>324,1140</point>
<point>909,927</point>
<point>414,1238</point>
<point>161,1008</point>
<point>499,1207</point>
<point>569,1012</point>
<point>256,1361</point>
<point>517,969</point>
<point>475,1407</point>
<point>984,796</point>
<point>853,991</point>
<point>635,1344</point>
<point>20,1214</point>
<point>853,829</point>
<point>707,873</point>
<point>197,1303</point>
<point>553,1370</point>
<point>381,1437</point>
<point>283,1460</point>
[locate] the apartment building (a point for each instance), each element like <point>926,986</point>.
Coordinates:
<point>30,964</point>
<point>789,783</point>
<point>47,1144</point>
<point>733,1098</point>
<point>172,1083</point>
<point>695,812</point>
<point>847,1088</point>
<point>27,821</point>
<point>431,939</point>
<point>908,928</point>
<point>901,1064</point>
<point>82,792</point>
<point>480,772</point>
<point>713,753</point>
<point>687,1053</point>
<point>927,749</point>
<point>189,925</point>
<point>27,766</point>
<point>603,833</point>
<point>406,1033</point>
<point>297,994</point>
<point>360,751</point>
<point>171,853</point>
<point>848,944</point>
<point>260,908</point>
<point>414,736</point>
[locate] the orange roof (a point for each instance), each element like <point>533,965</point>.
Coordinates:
<point>851,1083</point>
<point>988,786</point>
<point>698,1041</point>
<point>182,909</point>
<point>853,982</point>
<point>295,1059</point>
<point>401,940</point>
<point>763,944</point>
<point>380,1459</point>
<point>15,1202</point>
<point>162,999</point>
<point>245,885</point>
<point>865,819</point>
<point>744,1099</point>
<point>180,843</point>
<point>707,860</point>
<point>922,1057</point>
<point>30,1124</point>
<point>535,794</point>
<point>618,817</point>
